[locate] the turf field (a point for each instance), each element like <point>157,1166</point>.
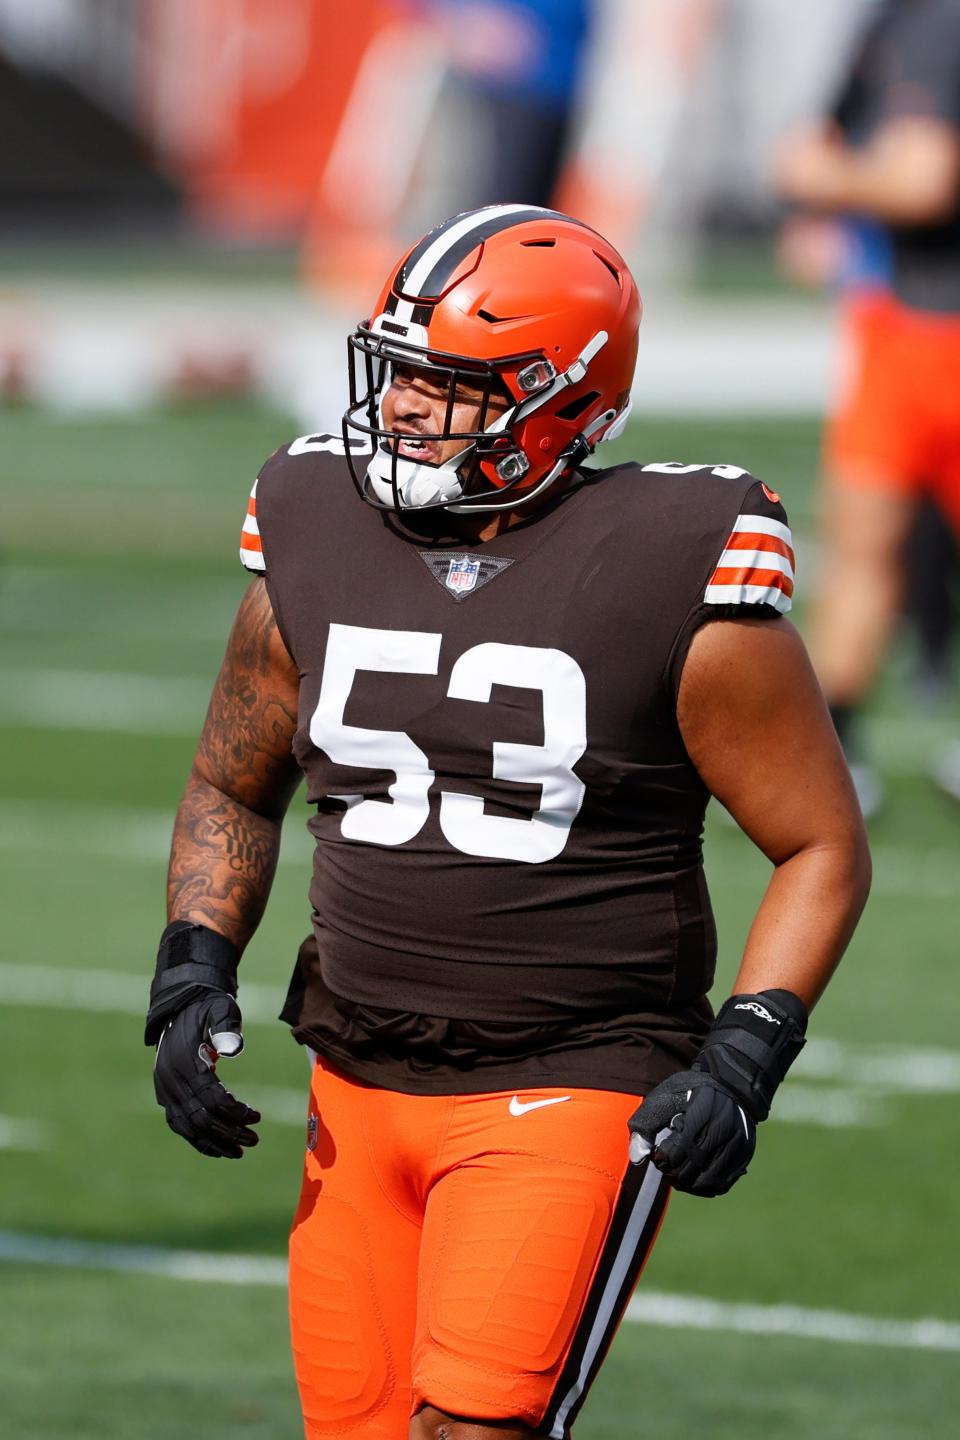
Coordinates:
<point>142,1294</point>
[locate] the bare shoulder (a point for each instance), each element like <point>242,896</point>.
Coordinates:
<point>757,729</point>
<point>255,645</point>
<point>737,660</point>
<point>245,747</point>
<point>748,677</point>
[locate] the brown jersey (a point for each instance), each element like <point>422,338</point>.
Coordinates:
<point>508,885</point>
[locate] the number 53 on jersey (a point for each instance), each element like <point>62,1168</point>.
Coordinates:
<point>463,820</point>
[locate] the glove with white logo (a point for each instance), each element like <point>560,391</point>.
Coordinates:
<point>700,1126</point>
<point>194,1020</point>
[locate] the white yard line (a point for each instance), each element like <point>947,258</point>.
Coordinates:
<point>51,601</point>
<point>106,834</point>
<point>200,1265</point>
<point>114,832</point>
<point>144,704</point>
<point>830,1107</point>
<point>143,836</point>
<point>111,992</point>
<point>882,1069</point>
<point>685,1312</point>
<point>646,1308</point>
<point>892,1068</point>
<point>834,1085</point>
<point>17,1134</point>
<point>103,700</point>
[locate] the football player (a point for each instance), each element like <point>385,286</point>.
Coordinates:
<point>511,681</point>
<point>888,153</point>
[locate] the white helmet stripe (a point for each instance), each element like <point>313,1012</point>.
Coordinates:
<point>450,238</point>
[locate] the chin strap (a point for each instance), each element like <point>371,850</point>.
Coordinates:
<point>575,454</point>
<point>571,457</point>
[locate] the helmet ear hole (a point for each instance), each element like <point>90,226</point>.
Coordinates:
<point>575,408</point>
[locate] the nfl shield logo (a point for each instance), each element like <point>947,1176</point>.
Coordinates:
<point>462,574</point>
<point>313,1131</point>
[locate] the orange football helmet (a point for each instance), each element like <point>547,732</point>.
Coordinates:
<point>524,304</point>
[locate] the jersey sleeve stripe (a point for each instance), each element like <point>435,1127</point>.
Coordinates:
<point>742,594</point>
<point>763,525</point>
<point>751,575</point>
<point>251,546</point>
<point>756,566</point>
<point>252,559</point>
<point>754,540</point>
<point>759,559</point>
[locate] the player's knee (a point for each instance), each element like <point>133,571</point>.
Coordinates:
<point>432,1424</point>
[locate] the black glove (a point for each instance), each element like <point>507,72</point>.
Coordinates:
<point>700,1126</point>
<point>195,1020</point>
<point>696,1134</point>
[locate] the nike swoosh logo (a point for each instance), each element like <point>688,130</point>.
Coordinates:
<point>518,1107</point>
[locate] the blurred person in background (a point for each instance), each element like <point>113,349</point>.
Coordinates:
<point>932,599</point>
<point>887,155</point>
<point>512,683</point>
<point>852,255</point>
<point>514,66</point>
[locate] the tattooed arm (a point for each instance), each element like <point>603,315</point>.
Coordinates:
<point>227,834</point>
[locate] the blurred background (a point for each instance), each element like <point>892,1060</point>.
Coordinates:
<point>197,202</point>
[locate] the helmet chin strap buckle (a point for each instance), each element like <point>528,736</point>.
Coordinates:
<point>577,371</point>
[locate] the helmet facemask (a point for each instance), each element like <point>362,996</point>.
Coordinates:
<point>486,474</point>
<point>398,482</point>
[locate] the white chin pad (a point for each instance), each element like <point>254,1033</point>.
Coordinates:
<point>417,485</point>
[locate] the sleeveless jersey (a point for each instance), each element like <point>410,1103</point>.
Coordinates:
<point>508,885</point>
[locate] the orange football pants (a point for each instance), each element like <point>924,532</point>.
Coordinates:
<point>470,1252</point>
<point>896,425</point>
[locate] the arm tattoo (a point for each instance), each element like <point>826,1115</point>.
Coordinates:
<point>253,710</point>
<point>227,834</point>
<point>222,862</point>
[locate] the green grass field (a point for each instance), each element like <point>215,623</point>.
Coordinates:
<point>117,581</point>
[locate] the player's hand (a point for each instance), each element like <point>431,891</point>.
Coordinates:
<point>197,1105</point>
<point>695,1133</point>
<point>700,1127</point>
